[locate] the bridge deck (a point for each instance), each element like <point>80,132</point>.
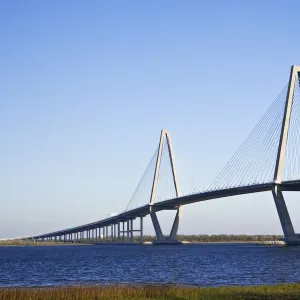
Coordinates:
<point>173,203</point>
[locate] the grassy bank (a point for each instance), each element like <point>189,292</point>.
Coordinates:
<point>286,291</point>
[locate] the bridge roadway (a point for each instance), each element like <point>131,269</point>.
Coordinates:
<point>167,205</point>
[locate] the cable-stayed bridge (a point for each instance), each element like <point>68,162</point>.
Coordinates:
<point>268,160</point>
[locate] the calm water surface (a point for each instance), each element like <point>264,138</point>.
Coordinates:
<point>200,265</point>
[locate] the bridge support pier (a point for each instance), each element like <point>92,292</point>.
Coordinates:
<point>131,231</point>
<point>289,234</point>
<point>119,231</point>
<point>161,239</point>
<point>123,231</point>
<point>290,237</point>
<point>127,227</point>
<point>141,230</point>
<point>156,226</point>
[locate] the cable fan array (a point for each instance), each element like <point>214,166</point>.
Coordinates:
<point>165,182</point>
<point>142,193</point>
<point>254,162</point>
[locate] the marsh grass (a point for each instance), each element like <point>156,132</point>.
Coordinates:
<point>286,291</point>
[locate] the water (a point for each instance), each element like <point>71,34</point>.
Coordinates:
<point>198,265</point>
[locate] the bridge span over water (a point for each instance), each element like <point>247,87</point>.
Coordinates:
<point>268,160</point>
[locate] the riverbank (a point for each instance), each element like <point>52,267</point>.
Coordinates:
<point>41,244</point>
<point>46,244</point>
<point>284,291</point>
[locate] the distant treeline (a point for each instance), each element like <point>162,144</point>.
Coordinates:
<point>197,238</point>
<point>205,238</point>
<point>229,238</point>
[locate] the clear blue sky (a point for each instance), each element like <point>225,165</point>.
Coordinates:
<point>86,87</point>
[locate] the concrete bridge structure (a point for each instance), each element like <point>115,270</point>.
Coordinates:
<point>270,149</point>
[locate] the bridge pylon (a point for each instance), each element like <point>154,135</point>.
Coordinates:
<point>287,227</point>
<point>161,239</point>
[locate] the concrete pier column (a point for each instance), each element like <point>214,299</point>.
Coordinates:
<point>119,233</point>
<point>175,226</point>
<point>141,230</point>
<point>131,231</point>
<point>128,231</point>
<point>114,232</point>
<point>285,220</point>
<point>156,226</point>
<point>123,233</point>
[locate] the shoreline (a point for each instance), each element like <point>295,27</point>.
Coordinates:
<point>44,244</point>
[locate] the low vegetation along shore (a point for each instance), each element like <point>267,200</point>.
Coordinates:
<point>287,291</point>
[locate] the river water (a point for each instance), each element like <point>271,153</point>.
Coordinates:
<point>198,265</point>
